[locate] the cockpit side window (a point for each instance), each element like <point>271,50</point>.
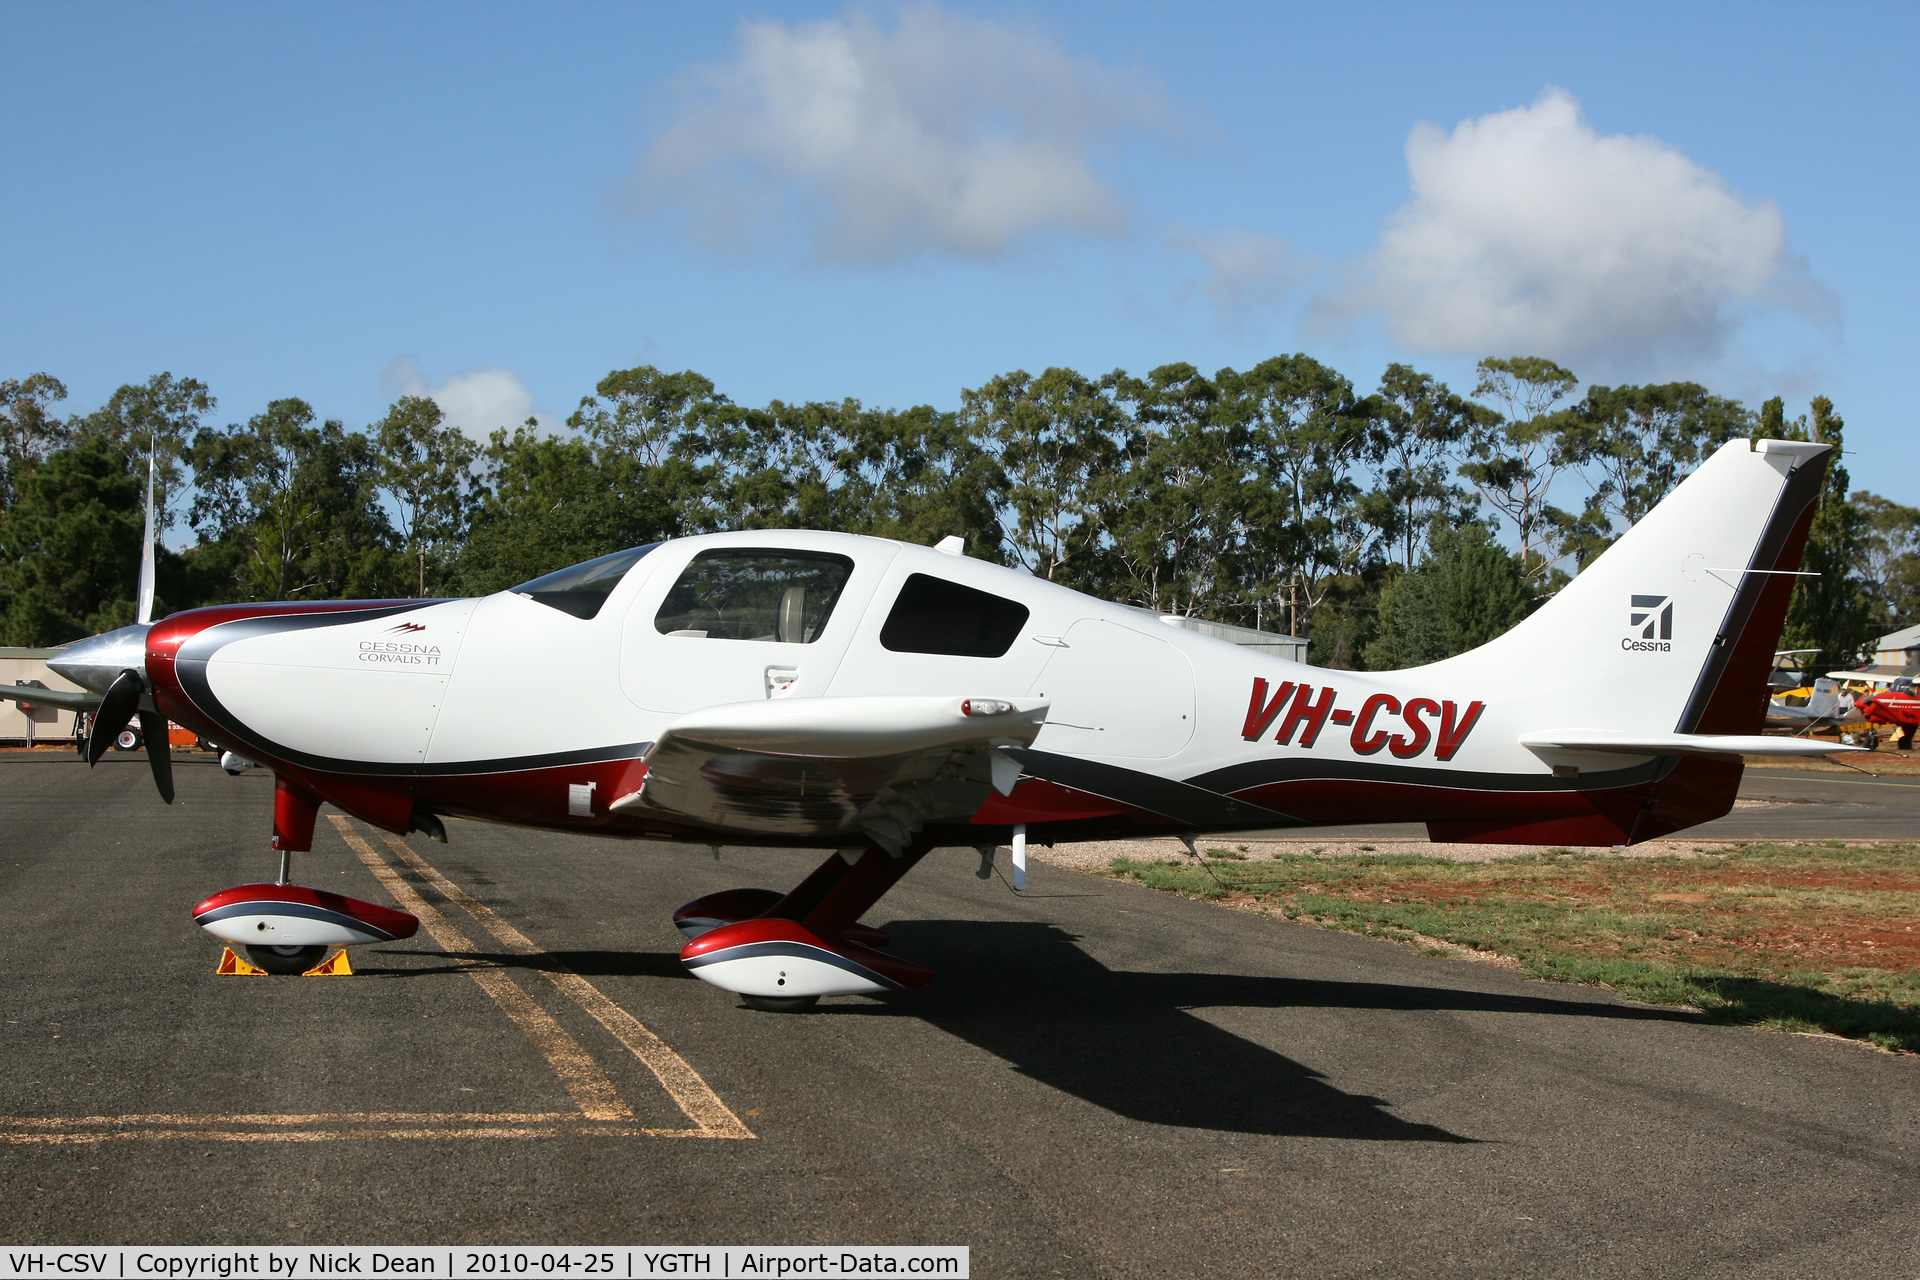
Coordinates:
<point>933,615</point>
<point>755,593</point>
<point>582,588</point>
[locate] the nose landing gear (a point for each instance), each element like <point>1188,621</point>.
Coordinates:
<point>286,928</point>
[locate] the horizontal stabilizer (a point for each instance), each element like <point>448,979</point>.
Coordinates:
<point>1675,744</point>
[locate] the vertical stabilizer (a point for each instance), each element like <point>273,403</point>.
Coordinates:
<point>1673,628</point>
<point>1657,655</point>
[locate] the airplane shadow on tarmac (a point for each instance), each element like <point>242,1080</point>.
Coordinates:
<point>1126,1041</point>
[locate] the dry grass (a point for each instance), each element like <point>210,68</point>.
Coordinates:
<point>1803,937</point>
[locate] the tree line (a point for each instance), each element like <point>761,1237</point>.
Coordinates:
<point>1280,497</point>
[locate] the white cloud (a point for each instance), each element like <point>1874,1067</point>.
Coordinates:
<point>945,133</point>
<point>1529,232</point>
<point>477,401</point>
<point>1247,271</point>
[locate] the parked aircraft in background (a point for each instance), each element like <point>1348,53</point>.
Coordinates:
<point>1892,703</point>
<point>876,700</point>
<point>1790,669</point>
<point>1820,705</point>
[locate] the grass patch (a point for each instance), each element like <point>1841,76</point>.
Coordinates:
<point>1797,937</point>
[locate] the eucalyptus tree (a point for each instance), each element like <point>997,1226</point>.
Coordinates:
<point>1307,435</point>
<point>29,429</point>
<point>645,413</point>
<point>295,506</point>
<point>1174,508</point>
<point>1518,453</point>
<point>913,474</point>
<point>1829,610</point>
<point>1890,563</point>
<point>546,502</point>
<point>757,468</point>
<point>1056,437</point>
<point>1423,427</point>
<point>161,415</point>
<point>426,470</point>
<point>921,475</point>
<point>1635,444</point>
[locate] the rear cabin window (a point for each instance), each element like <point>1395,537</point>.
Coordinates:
<point>933,615</point>
<point>581,589</point>
<point>752,594</point>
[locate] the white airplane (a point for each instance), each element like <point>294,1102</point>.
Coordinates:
<point>1824,708</point>
<point>1875,679</point>
<point>877,700</point>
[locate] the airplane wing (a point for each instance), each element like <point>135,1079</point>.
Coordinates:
<point>65,699</point>
<point>868,768</point>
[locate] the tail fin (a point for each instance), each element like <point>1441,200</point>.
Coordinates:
<point>1661,648</point>
<point>1825,700</point>
<point>1673,628</point>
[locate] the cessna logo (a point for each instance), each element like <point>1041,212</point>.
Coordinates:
<point>1651,619</point>
<point>421,626</point>
<point>1374,725</point>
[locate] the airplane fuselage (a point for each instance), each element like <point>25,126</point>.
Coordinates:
<point>513,708</point>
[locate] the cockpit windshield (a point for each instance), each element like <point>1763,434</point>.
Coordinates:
<point>582,588</point>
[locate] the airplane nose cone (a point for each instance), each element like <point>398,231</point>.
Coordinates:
<point>94,662</point>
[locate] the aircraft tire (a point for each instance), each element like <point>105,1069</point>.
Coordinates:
<point>286,960</point>
<point>766,1004</point>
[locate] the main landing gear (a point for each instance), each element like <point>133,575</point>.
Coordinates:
<point>781,953</point>
<point>286,928</point>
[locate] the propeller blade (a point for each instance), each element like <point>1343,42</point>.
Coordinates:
<point>143,606</point>
<point>116,709</point>
<point>153,727</point>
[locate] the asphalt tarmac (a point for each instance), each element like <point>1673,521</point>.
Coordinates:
<point>1104,1081</point>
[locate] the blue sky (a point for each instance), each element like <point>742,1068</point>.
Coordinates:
<point>499,204</point>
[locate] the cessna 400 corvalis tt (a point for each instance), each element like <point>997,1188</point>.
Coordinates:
<point>877,700</point>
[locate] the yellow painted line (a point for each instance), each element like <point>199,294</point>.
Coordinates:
<point>343,1135</point>
<point>344,1117</point>
<point>582,1077</point>
<point>683,1084</point>
<point>601,1109</point>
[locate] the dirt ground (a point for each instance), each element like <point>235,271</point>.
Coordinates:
<point>1097,855</point>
